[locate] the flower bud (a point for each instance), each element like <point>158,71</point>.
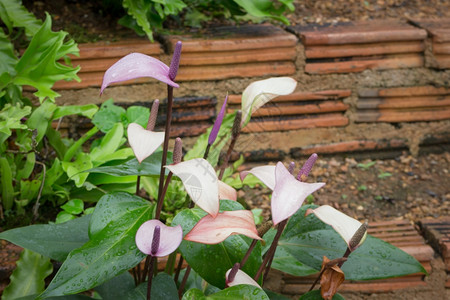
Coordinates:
<point>304,171</point>
<point>177,151</point>
<point>153,115</point>
<point>237,124</point>
<point>175,62</point>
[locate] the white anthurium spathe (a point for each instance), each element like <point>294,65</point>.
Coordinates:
<point>260,92</point>
<point>241,278</point>
<point>264,173</point>
<point>201,183</point>
<point>343,224</point>
<point>143,142</point>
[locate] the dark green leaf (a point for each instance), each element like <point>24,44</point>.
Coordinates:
<point>212,261</point>
<point>242,291</point>
<point>275,296</point>
<point>108,253</point>
<point>117,287</point>
<point>6,184</point>
<point>163,287</point>
<point>28,276</point>
<point>151,166</point>
<point>315,295</point>
<point>15,14</point>
<point>112,207</point>
<point>51,240</point>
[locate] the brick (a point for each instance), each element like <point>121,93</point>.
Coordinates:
<point>443,48</point>
<point>321,107</point>
<point>351,146</point>
<point>424,114</point>
<point>330,51</point>
<point>232,38</point>
<point>442,61</point>
<point>358,33</point>
<point>301,96</point>
<point>189,73</point>
<point>405,91</point>
<point>437,232</point>
<point>118,49</point>
<point>241,56</point>
<point>439,29</point>
<point>325,120</point>
<point>352,66</point>
<point>400,102</point>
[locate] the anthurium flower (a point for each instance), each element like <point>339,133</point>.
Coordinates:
<point>211,230</point>
<point>216,127</point>
<point>149,241</point>
<point>351,230</point>
<point>226,192</point>
<point>143,142</point>
<point>260,92</point>
<point>200,181</point>
<point>136,65</point>
<point>236,276</point>
<point>289,194</point>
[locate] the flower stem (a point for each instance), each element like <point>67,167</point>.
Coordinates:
<point>180,264</point>
<point>236,132</point>
<point>165,146</point>
<point>205,156</point>
<point>161,197</point>
<point>183,282</point>
<point>150,277</point>
<point>271,250</point>
<point>249,251</point>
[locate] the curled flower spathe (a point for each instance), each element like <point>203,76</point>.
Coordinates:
<point>137,65</point>
<point>351,230</point>
<point>211,230</point>
<point>143,142</point>
<point>236,276</point>
<point>158,242</point>
<point>260,92</point>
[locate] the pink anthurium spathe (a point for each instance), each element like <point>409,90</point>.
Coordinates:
<point>226,192</point>
<point>260,92</point>
<point>236,276</point>
<point>136,65</point>
<point>143,142</point>
<point>347,227</point>
<point>289,194</point>
<point>156,239</point>
<point>211,230</point>
<point>200,181</point>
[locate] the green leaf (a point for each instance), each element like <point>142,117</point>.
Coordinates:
<point>242,291</point>
<point>275,296</point>
<point>77,145</point>
<point>64,216</point>
<point>117,287</point>
<point>263,9</point>
<point>112,207</point>
<point>195,281</point>
<point>39,66</point>
<point>88,110</point>
<point>151,166</point>
<point>75,169</point>
<point>107,254</point>
<point>74,206</point>
<point>6,184</point>
<point>109,144</point>
<point>29,189</point>
<point>108,115</point>
<point>40,119</point>
<point>10,118</point>
<point>51,240</point>
<point>14,13</point>
<point>55,140</point>
<point>212,261</point>
<point>28,276</point>
<point>8,59</point>
<point>315,295</point>
<point>138,9</point>
<point>163,287</point>
<point>137,114</point>
<point>307,240</point>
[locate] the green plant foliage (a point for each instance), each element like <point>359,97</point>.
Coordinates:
<point>315,295</point>
<point>38,65</point>
<point>220,257</point>
<point>163,287</point>
<point>28,276</point>
<point>51,240</point>
<point>117,287</point>
<point>107,254</point>
<point>242,291</point>
<point>307,240</point>
<point>14,14</point>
